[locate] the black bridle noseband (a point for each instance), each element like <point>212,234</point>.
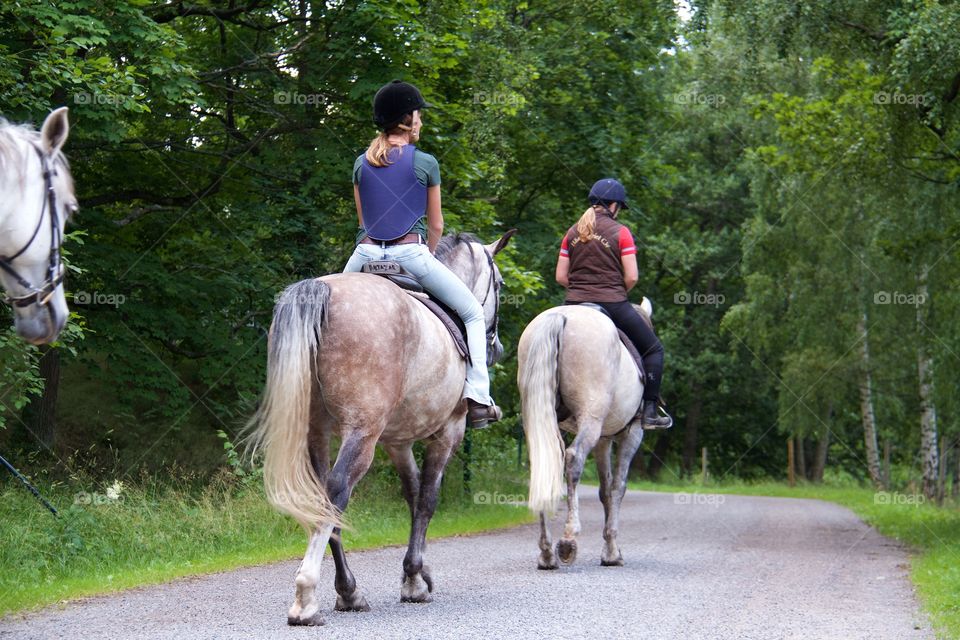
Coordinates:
<point>55,272</point>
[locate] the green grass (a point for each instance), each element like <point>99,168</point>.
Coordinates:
<point>157,533</point>
<point>932,533</point>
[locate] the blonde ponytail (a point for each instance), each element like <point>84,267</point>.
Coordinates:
<point>587,224</point>
<point>379,149</point>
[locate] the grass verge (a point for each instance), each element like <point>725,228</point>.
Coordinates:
<point>149,534</point>
<point>933,533</point>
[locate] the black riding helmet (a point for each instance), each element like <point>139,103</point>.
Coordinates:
<point>608,190</point>
<point>395,100</point>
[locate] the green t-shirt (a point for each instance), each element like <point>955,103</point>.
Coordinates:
<point>427,170</point>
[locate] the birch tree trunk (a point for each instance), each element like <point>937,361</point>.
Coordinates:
<point>866,406</point>
<point>928,410</point>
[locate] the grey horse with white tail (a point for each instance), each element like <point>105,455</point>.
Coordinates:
<point>354,356</point>
<point>572,356</point>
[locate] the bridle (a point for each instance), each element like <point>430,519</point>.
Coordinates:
<point>493,285</point>
<point>40,296</point>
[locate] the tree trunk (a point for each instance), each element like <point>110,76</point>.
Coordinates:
<point>823,447</point>
<point>40,415</point>
<point>866,406</point>
<point>928,411</point>
<point>690,429</point>
<point>801,458</point>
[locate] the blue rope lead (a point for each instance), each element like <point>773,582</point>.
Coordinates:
<point>27,484</point>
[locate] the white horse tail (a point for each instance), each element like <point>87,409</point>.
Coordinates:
<point>538,378</point>
<point>281,424</point>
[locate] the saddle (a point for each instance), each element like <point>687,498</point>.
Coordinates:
<point>392,271</point>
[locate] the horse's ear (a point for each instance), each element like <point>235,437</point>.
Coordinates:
<point>496,247</point>
<point>55,130</point>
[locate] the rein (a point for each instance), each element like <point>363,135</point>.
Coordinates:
<point>491,286</point>
<point>55,271</point>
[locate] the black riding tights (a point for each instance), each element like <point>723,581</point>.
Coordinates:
<point>626,318</point>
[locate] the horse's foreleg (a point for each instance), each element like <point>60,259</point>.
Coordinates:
<point>417,583</point>
<point>626,449</point>
<point>406,465</point>
<point>548,559</point>
<point>576,456</point>
<point>610,556</point>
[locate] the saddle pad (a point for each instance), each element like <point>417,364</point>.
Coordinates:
<point>451,321</point>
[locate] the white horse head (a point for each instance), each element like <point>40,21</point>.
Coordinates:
<point>36,197</point>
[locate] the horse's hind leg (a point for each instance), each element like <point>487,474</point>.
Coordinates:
<point>610,556</point>
<point>417,583</point>
<point>548,559</point>
<point>626,448</point>
<point>353,460</point>
<point>576,456</point>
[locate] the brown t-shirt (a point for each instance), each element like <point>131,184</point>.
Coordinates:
<point>596,269</point>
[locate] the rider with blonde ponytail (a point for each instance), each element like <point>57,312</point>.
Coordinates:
<point>396,188</point>
<point>598,264</point>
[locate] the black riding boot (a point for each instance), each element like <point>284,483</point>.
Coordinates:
<point>652,418</point>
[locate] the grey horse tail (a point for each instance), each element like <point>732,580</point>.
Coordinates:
<point>538,378</point>
<point>282,423</point>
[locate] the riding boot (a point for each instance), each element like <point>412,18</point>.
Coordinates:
<point>481,415</point>
<point>652,418</point>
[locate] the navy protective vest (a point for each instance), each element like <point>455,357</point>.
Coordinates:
<point>392,200</point>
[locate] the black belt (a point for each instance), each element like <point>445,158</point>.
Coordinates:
<point>410,238</point>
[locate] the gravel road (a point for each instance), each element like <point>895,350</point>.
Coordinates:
<point>697,566</point>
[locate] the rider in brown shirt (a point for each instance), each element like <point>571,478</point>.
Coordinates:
<point>598,264</point>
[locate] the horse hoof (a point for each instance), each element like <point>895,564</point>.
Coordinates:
<point>546,565</point>
<point>616,562</point>
<point>354,603</point>
<point>423,598</point>
<point>416,589</point>
<point>567,551</point>
<point>316,620</point>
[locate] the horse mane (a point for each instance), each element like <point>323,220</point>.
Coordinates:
<point>9,135</point>
<point>11,155</point>
<point>449,243</point>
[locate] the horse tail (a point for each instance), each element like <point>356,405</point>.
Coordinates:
<point>281,425</point>
<point>538,378</point>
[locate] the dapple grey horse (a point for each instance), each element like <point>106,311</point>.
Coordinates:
<point>352,355</point>
<point>36,198</point>
<point>573,354</point>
